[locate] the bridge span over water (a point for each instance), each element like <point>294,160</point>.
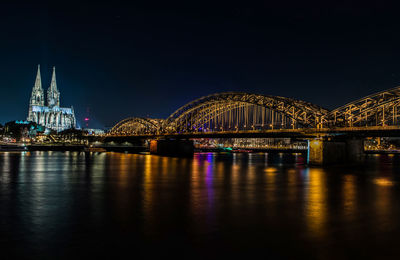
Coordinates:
<point>307,133</point>
<point>245,112</point>
<point>246,115</point>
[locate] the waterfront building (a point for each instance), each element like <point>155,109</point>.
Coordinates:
<point>47,112</point>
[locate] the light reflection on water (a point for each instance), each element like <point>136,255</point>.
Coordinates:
<point>53,203</point>
<point>315,201</point>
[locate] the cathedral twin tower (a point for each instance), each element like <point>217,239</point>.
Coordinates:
<point>50,115</point>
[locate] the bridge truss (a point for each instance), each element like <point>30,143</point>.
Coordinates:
<point>136,126</point>
<point>236,111</point>
<point>379,109</point>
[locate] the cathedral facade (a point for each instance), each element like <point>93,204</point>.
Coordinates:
<point>47,112</point>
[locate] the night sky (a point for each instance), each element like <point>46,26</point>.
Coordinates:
<point>118,60</point>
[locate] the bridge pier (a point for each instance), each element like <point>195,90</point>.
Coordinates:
<point>322,151</point>
<point>172,147</point>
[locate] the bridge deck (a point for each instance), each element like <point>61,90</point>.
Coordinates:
<point>373,131</point>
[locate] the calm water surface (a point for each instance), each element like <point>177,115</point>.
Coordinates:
<point>71,205</point>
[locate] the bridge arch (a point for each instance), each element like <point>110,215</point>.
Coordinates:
<point>136,126</point>
<point>378,109</point>
<point>233,111</point>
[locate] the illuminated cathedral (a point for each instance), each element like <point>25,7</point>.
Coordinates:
<point>51,115</point>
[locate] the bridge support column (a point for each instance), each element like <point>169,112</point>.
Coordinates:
<point>355,150</point>
<point>172,147</point>
<point>322,151</point>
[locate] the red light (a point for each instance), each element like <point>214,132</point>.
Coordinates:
<point>86,118</point>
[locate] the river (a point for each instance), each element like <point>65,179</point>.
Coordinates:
<point>74,205</point>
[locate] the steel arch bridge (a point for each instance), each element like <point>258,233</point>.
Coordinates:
<point>246,112</point>
<point>136,126</point>
<point>379,109</point>
<point>237,111</point>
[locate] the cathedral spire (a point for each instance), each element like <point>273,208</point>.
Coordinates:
<point>53,95</point>
<point>38,81</point>
<point>53,84</point>
<point>37,97</point>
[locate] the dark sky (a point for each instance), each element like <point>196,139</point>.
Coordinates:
<point>150,58</point>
